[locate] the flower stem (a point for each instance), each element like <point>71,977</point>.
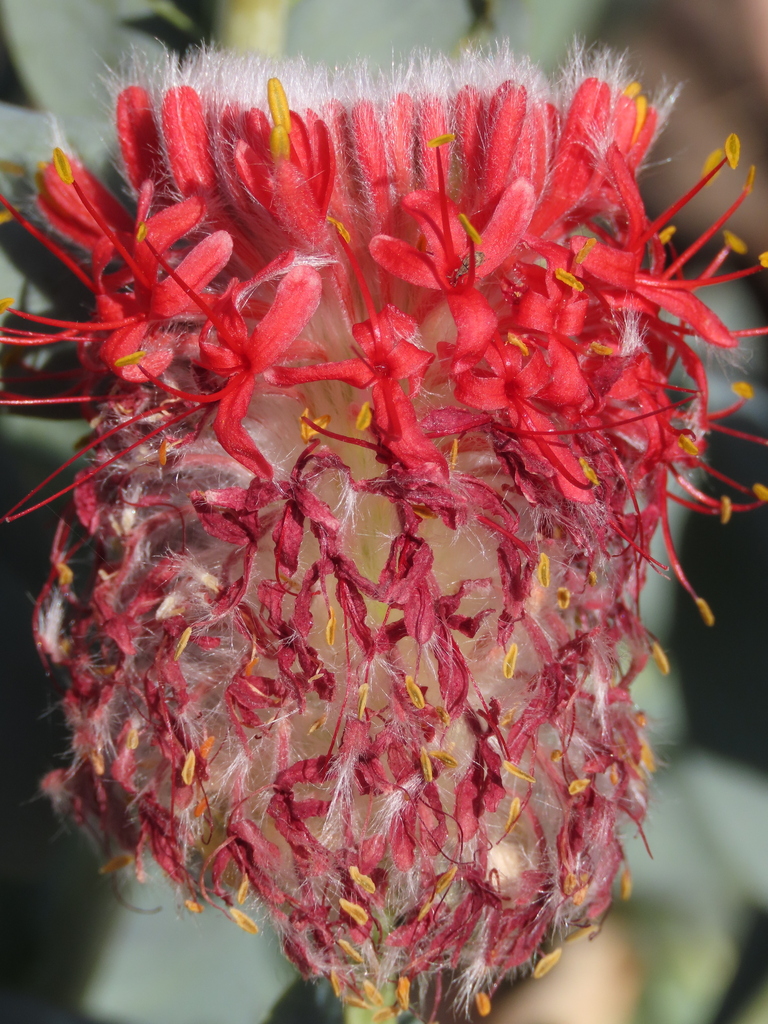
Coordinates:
<point>254,25</point>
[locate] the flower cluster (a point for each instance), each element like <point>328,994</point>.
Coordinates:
<point>379,382</point>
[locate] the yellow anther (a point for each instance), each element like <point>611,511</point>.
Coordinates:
<point>518,772</point>
<point>556,755</point>
<point>714,158</point>
<point>592,579</point>
<point>358,914</point>
<point>589,473</point>
<point>335,984</point>
<point>183,641</point>
<point>382,1015</point>
<point>625,884</point>
<point>726,509</point>
<point>749,184</point>
<point>426,765</point>
<point>403,993</point>
<point>63,166</point>
<point>738,245</point>
<point>601,350</point>
<point>570,883</point>
<point>578,786</point>
<point>372,993</point>
<point>762,259</point>
<point>122,860</point>
<point>5,305</point>
<point>364,417</point>
<point>308,431</point>
<point>542,570</point>
<point>666,233</point>
<point>317,724</point>
<point>510,660</point>
<point>340,228</point>
<point>445,880</point>
<point>743,389</point>
<point>705,612</point>
<point>350,1000</point>
<point>444,758</point>
<point>424,512</point>
<point>425,909</point>
<point>443,715</point>
<point>278,104</point>
<point>193,906</point>
<point>242,891</point>
<point>583,933</point>
<point>130,360</point>
<point>279,143</point>
<point>471,230</point>
<point>132,739</point>
<point>579,896</point>
<point>350,950</point>
<point>188,771</point>
<point>563,598</point>
<point>9,167</point>
<point>507,718</point>
<point>660,657</point>
<point>613,775</point>
<point>641,108</point>
<point>518,343</point>
<point>330,629</point>
<point>647,759</point>
<point>454,452</point>
<point>207,746</point>
<point>760,491</point>
<point>162,453</point>
<point>364,881</point>
<point>243,921</point>
<point>514,814</point>
<point>585,250</point>
<point>568,278</point>
<point>633,90</point>
<point>687,445</point>
<point>362,700</point>
<point>415,693</point>
<point>545,965</point>
<point>64,574</point>
<point>441,140</point>
<point>6,216</point>
<point>141,232</point>
<point>483,1003</point>
<point>732,150</point>
<point>97,762</point>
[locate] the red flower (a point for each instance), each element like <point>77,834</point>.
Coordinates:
<point>384,427</point>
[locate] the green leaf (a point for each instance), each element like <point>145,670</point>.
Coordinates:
<point>335,31</point>
<point>305,1002</point>
<point>63,49</point>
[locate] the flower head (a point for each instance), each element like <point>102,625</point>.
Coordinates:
<point>379,373</point>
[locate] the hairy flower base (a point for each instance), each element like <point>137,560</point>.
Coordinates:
<point>384,430</point>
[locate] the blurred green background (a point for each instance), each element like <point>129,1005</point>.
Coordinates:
<point>691,947</point>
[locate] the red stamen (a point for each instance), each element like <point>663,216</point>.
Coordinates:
<point>49,245</point>
<point>138,271</point>
<point>670,212</point>
<point>694,247</point>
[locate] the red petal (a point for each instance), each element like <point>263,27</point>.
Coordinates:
<point>403,261</point>
<point>138,135</point>
<point>297,298</point>
<point>186,140</point>
<point>197,269</point>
